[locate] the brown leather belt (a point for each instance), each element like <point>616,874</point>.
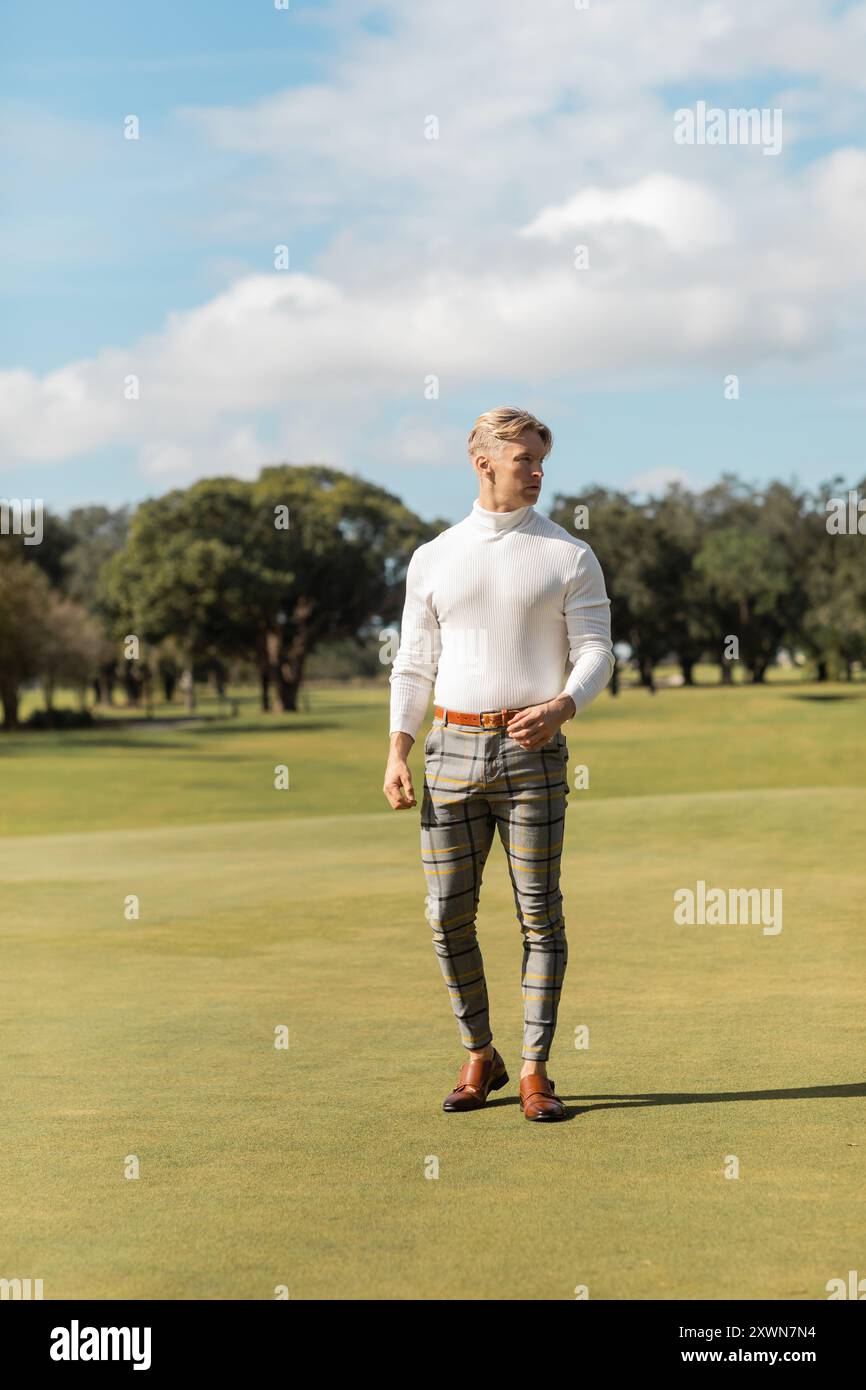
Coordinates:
<point>490,719</point>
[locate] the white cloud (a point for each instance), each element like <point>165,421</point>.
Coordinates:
<point>687,215</point>
<point>284,343</point>
<point>293,344</point>
<point>454,256</point>
<point>240,454</point>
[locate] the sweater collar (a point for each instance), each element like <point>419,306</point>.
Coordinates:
<point>499,521</point>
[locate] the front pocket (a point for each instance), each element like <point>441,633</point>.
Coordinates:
<point>556,744</point>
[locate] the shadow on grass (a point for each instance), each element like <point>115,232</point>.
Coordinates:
<point>785,684</point>
<point>267,725</point>
<point>117,733</point>
<point>639,1102</point>
<point>89,743</point>
<point>216,723</point>
<point>831,699</point>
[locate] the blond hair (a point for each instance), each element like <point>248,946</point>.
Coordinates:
<point>505,423</point>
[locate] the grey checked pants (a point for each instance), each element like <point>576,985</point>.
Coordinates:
<point>477,781</point>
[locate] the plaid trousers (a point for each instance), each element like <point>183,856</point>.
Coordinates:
<point>476,780</point>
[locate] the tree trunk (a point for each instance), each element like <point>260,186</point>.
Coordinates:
<point>48,692</point>
<point>726,670</point>
<point>290,676</point>
<point>614,680</point>
<point>132,683</point>
<point>283,672</point>
<point>188,681</point>
<point>9,697</point>
<point>645,666</point>
<point>105,685</point>
<point>687,667</point>
<point>263,663</point>
<point>286,658</point>
<point>822,670</point>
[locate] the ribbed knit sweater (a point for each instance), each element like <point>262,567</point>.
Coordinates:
<point>494,607</point>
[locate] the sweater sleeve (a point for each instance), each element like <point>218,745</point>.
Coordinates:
<point>414,670</point>
<point>586,608</point>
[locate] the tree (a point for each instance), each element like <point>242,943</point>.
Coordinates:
<point>262,570</point>
<point>681,597</point>
<point>25,598</point>
<point>72,647</point>
<point>746,576</point>
<point>344,555</point>
<point>94,535</point>
<point>49,555</point>
<point>834,618</point>
<point>624,540</point>
<point>188,571</point>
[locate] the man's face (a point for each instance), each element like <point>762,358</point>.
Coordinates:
<point>516,471</point>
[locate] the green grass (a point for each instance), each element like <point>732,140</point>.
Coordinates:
<point>304,908</point>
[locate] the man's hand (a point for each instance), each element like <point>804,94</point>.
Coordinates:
<point>535,726</point>
<point>398,779</point>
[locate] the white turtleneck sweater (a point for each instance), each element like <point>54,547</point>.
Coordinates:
<point>494,607</point>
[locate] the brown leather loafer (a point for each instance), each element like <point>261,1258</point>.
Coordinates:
<point>477,1078</point>
<point>537,1100</point>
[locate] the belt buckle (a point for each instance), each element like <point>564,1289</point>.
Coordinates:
<point>493,714</point>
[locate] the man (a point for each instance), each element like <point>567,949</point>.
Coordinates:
<point>494,606</point>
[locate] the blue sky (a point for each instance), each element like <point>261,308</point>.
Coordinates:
<point>411,257</point>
